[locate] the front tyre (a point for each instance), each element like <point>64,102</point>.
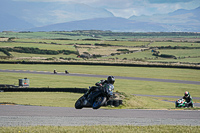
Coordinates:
<point>79,103</point>
<point>176,104</point>
<point>98,102</point>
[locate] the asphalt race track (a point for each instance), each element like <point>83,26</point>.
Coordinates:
<point>19,115</point>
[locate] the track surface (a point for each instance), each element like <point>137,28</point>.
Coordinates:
<point>105,76</point>
<point>19,115</point>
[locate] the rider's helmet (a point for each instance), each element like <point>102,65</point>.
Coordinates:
<point>187,94</point>
<point>111,79</point>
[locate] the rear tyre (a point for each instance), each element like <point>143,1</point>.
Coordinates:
<point>98,102</point>
<point>120,102</point>
<point>116,103</point>
<point>176,105</point>
<point>110,102</point>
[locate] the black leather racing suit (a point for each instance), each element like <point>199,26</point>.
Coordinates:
<point>102,84</point>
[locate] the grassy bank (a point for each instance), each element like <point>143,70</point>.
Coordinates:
<point>63,99</point>
<point>100,50</point>
<point>102,129</point>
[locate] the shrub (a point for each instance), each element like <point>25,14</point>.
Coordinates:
<point>167,56</point>
<point>124,50</point>
<point>5,51</point>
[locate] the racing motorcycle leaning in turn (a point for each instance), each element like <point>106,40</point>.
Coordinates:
<point>186,101</point>
<point>96,98</point>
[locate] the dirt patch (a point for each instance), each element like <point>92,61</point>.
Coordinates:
<point>118,96</point>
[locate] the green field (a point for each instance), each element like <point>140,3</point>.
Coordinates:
<point>172,44</point>
<point>102,35</point>
<point>184,60</point>
<point>73,42</point>
<point>104,46</point>
<point>37,45</point>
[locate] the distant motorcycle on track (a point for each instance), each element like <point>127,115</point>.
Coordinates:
<point>54,71</point>
<point>181,103</point>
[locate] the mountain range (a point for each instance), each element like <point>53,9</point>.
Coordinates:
<point>58,16</point>
<point>109,23</point>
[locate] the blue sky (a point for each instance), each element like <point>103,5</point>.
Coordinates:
<point>127,8</point>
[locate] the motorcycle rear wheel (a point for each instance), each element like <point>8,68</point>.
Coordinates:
<point>98,102</point>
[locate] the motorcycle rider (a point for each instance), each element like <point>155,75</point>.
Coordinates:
<point>54,71</point>
<point>66,72</point>
<point>102,85</point>
<point>188,99</point>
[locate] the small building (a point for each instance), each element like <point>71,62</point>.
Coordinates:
<point>24,82</point>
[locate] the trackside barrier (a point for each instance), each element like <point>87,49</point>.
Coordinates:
<point>74,90</point>
<point>167,65</point>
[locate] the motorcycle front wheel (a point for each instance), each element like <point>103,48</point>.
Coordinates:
<point>98,102</point>
<point>79,103</point>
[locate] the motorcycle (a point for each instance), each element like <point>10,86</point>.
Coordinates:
<point>181,103</point>
<point>95,99</point>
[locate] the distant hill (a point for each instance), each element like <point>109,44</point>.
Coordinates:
<point>179,20</point>
<point>110,23</point>
<point>12,23</point>
<point>59,16</point>
<point>46,13</point>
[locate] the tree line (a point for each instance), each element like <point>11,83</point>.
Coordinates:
<point>35,51</point>
<point>110,33</point>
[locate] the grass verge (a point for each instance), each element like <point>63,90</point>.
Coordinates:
<point>102,129</point>
<point>63,99</point>
<point>53,99</point>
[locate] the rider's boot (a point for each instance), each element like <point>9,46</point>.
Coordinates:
<point>86,96</point>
